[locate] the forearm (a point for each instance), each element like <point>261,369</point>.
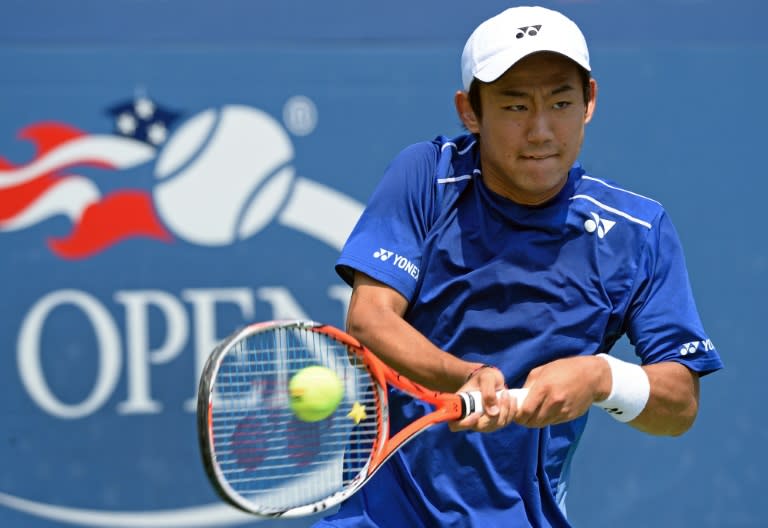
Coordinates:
<point>375,319</point>
<point>673,402</point>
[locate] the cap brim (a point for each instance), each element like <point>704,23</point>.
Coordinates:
<point>499,64</point>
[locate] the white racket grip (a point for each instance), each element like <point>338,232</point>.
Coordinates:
<point>473,400</point>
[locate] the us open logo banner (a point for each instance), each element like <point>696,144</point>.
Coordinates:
<point>127,253</point>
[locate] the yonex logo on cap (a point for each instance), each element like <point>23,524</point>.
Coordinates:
<point>601,225</point>
<point>531,31</point>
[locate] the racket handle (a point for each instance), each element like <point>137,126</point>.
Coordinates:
<point>472,402</point>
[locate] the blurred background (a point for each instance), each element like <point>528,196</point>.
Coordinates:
<point>170,170</point>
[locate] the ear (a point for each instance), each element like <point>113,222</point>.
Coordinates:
<point>592,101</point>
<point>466,114</point>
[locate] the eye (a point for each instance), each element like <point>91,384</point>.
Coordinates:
<point>516,108</point>
<point>562,104</point>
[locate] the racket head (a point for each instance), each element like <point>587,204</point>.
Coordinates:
<point>257,454</point>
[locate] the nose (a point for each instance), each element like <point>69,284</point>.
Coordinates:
<point>539,127</point>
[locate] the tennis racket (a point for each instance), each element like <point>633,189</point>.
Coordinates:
<point>262,459</point>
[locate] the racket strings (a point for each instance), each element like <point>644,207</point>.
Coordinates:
<point>263,450</point>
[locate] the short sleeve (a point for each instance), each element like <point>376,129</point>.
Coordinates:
<point>663,322</point>
<point>386,243</point>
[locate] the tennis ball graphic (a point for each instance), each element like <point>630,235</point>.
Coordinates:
<point>315,393</point>
<point>223,175</point>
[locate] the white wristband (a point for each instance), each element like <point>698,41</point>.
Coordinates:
<point>630,390</point>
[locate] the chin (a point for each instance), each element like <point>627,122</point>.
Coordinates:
<point>546,189</point>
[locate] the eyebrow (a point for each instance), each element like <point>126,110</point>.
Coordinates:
<point>515,93</point>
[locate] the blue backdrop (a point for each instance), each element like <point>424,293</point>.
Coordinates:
<point>170,170</point>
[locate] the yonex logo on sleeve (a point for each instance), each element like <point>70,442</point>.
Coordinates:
<point>400,262</point>
<point>530,31</point>
<point>692,347</point>
<point>383,254</point>
<point>601,225</point>
<point>689,348</point>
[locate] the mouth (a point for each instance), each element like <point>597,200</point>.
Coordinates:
<point>537,157</point>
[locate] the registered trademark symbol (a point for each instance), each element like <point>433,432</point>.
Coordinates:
<point>300,115</point>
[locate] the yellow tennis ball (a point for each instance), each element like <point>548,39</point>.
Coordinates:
<point>315,393</point>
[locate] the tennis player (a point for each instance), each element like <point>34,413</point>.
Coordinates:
<point>494,259</point>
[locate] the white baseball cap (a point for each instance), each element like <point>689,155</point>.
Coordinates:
<point>499,42</point>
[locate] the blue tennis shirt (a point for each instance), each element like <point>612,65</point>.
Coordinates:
<point>492,281</point>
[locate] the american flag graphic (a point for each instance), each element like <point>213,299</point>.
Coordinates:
<point>49,185</point>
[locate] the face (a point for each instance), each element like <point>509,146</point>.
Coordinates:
<point>532,126</point>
